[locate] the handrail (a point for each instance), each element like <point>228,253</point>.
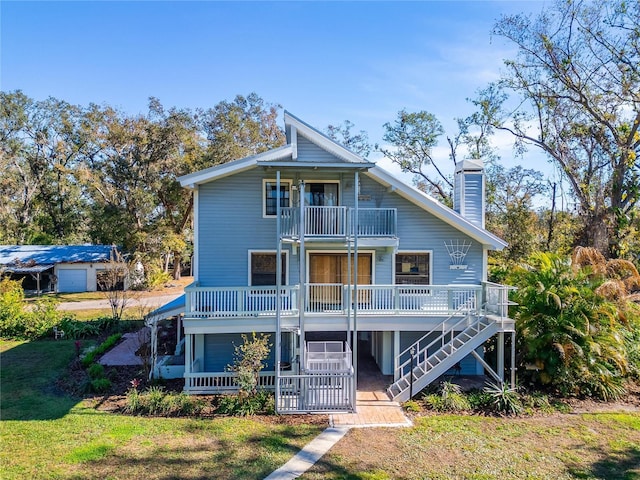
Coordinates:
<point>417,342</point>
<point>439,339</point>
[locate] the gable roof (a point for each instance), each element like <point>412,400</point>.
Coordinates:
<point>38,256</point>
<point>437,209</point>
<point>286,156</point>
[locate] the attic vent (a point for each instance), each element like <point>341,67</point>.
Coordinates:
<point>457,252</point>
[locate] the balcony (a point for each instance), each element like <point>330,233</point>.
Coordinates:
<point>338,299</point>
<point>336,222</point>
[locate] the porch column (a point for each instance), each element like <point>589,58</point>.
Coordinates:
<point>396,353</point>
<point>302,297</point>
<point>187,361</point>
<point>356,183</point>
<point>513,359</point>
<point>500,366</point>
<point>278,286</point>
<point>154,348</point>
<point>178,334</point>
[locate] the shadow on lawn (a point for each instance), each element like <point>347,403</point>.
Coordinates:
<point>212,453</point>
<point>28,377</point>
<point>624,463</point>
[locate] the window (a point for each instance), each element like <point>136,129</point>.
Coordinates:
<point>271,196</point>
<point>413,269</point>
<point>263,268</point>
<point>321,194</point>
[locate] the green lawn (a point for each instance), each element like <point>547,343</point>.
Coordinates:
<point>560,446</point>
<point>48,435</point>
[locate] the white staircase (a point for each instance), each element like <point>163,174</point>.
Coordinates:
<point>457,340</point>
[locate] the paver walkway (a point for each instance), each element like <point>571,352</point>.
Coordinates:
<point>374,409</point>
<point>125,352</point>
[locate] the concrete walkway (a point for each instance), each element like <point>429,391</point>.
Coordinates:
<point>374,409</point>
<point>309,455</point>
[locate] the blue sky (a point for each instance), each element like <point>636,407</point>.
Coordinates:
<point>323,61</point>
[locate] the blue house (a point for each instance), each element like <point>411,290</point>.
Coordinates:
<point>334,258</point>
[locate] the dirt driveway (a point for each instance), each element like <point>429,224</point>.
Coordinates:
<point>146,302</point>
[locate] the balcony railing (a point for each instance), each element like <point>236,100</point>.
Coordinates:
<point>220,302</point>
<point>335,298</point>
<point>339,222</point>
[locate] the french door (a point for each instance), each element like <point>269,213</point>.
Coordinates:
<point>329,271</point>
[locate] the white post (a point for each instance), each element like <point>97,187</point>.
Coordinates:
<point>513,359</point>
<point>355,290</point>
<point>278,287</point>
<point>188,360</point>
<point>501,356</point>
<point>303,276</point>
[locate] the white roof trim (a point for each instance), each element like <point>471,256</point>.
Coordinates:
<point>321,139</point>
<point>436,208</point>
<point>235,166</point>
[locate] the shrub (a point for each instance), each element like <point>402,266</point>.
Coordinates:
<point>411,406</point>
<point>479,399</point>
<point>262,402</point>
<point>18,322</point>
<point>449,399</point>
<point>157,277</point>
<point>155,401</point>
<point>249,358</point>
<point>100,349</point>
<point>76,329</point>
<point>101,385</point>
<point>504,399</point>
<point>96,371</point>
<point>575,323</point>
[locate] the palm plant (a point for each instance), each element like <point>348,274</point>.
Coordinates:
<point>571,335</point>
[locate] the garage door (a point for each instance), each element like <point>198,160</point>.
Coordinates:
<point>72,280</point>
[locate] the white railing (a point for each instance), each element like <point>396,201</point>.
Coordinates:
<point>336,298</point>
<point>220,302</point>
<point>426,345</point>
<point>496,299</point>
<point>374,222</point>
<point>328,357</point>
<point>394,299</point>
<point>315,393</point>
<point>221,382</point>
<point>339,222</point>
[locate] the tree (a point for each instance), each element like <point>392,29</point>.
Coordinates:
<point>43,144</point>
<point>246,126</point>
<point>510,214</point>
<point>113,281</point>
<point>412,138</point>
<point>357,143</point>
<point>249,360</point>
<point>576,80</point>
<point>572,336</point>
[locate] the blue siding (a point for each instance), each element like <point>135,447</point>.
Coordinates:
<point>219,350</point>
<point>473,199</point>
<point>310,152</point>
<point>231,224</point>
